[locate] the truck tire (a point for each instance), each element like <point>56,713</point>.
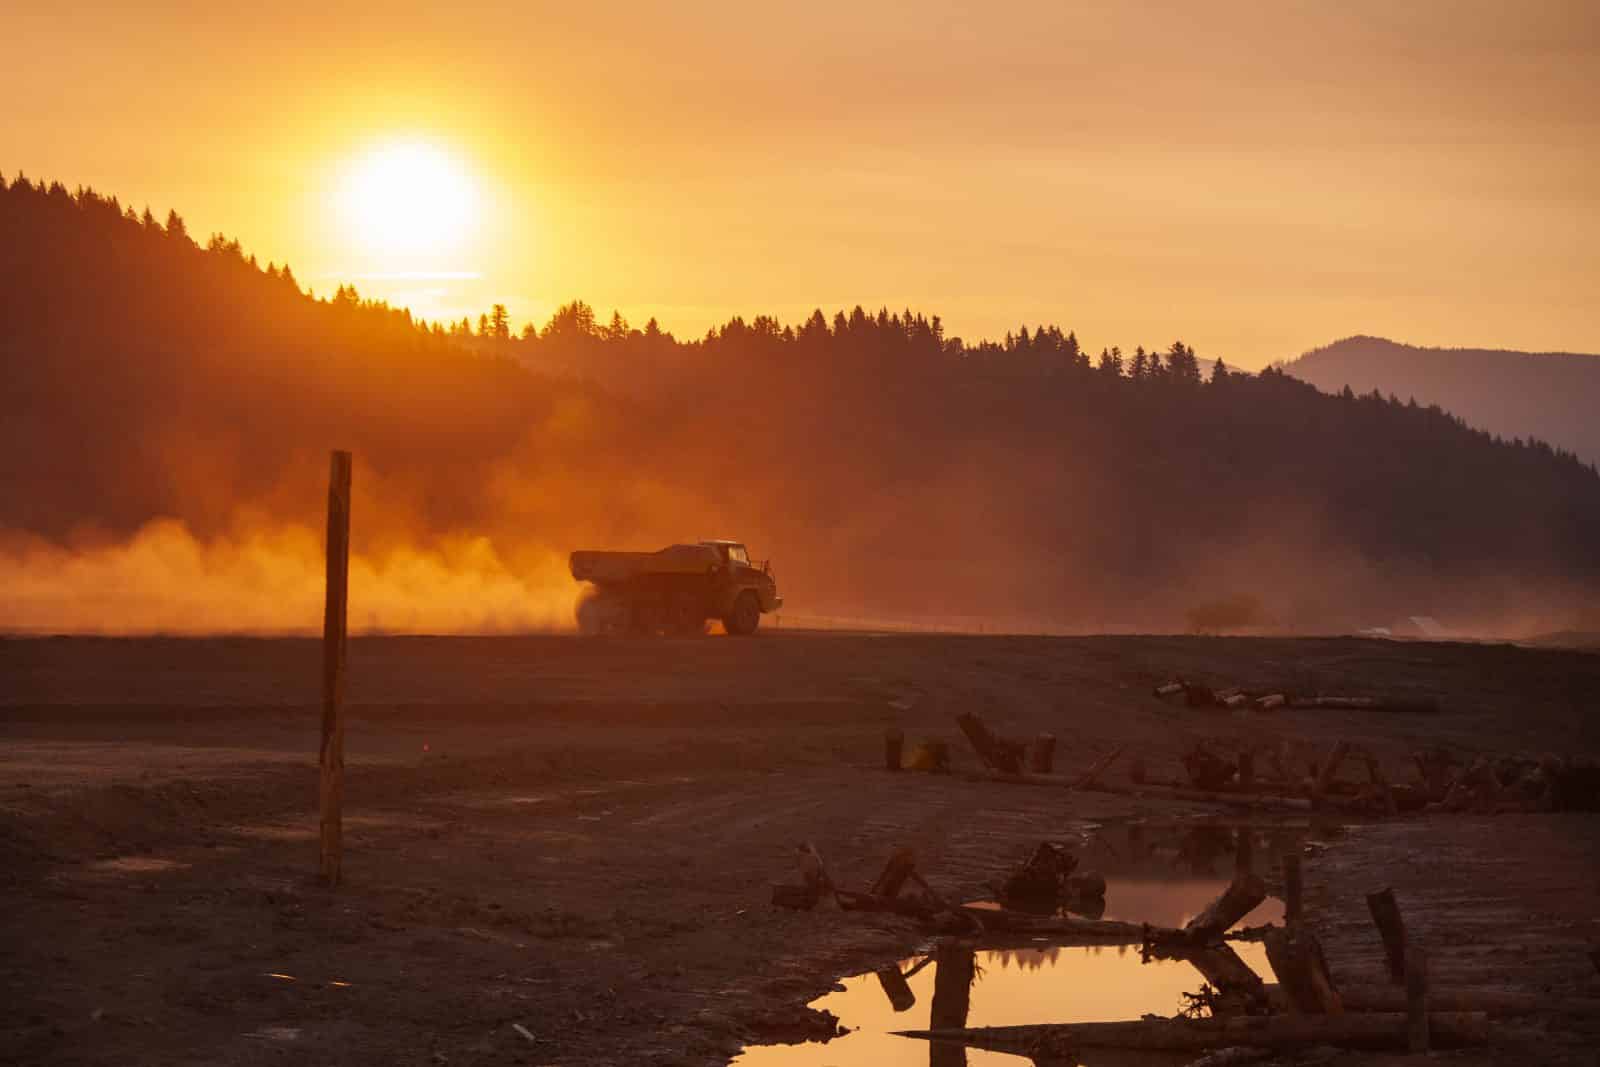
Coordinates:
<point>745,616</point>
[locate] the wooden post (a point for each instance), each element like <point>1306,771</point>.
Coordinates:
<point>1386,913</point>
<point>333,661</point>
<point>893,743</point>
<point>1416,999</point>
<point>1247,769</point>
<point>1292,907</point>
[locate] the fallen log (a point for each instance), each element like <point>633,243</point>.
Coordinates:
<point>1237,901</point>
<point>1271,702</point>
<point>1098,768</point>
<point>1371,1031</point>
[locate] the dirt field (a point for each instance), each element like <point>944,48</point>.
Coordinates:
<point>580,836</point>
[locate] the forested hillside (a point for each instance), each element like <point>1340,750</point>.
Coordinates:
<point>885,467</point>
<point>1551,396</point>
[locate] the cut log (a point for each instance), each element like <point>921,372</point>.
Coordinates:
<point>1386,914</point>
<point>1296,958</point>
<point>1416,999</point>
<point>902,861</point>
<point>1043,755</point>
<point>1237,901</point>
<point>1099,767</point>
<point>1373,1031</point>
<point>893,745</point>
<point>1003,756</point>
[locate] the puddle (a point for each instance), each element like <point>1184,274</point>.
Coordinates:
<point>958,986</point>
<point>1162,874</point>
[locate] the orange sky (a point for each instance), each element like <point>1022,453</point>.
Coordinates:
<point>1257,178</point>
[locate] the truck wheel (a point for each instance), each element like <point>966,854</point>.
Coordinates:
<point>745,617</point>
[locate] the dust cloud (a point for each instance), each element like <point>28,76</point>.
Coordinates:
<point>164,579</point>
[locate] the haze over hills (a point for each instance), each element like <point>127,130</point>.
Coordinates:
<point>170,407</point>
<point>1552,396</point>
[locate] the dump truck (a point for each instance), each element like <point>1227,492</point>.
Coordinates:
<point>675,591</point>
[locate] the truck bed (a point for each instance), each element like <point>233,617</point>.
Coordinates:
<point>604,567</point>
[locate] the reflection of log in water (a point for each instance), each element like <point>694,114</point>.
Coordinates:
<point>955,969</point>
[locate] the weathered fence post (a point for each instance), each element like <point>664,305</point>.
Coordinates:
<point>333,658</point>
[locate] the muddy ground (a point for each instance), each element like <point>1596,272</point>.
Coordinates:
<point>580,836</point>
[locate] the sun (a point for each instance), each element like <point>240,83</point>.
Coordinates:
<point>408,198</point>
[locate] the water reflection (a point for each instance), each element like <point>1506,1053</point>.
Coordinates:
<point>958,986</point>
<point>1163,874</point>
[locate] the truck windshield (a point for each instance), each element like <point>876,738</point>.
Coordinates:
<point>737,554</point>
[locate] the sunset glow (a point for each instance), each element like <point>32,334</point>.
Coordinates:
<point>407,199</point>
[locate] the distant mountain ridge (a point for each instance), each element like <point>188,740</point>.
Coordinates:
<point>1551,396</point>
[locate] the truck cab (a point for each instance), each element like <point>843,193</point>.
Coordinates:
<point>746,591</point>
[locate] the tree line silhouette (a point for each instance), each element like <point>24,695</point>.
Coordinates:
<point>886,465</point>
